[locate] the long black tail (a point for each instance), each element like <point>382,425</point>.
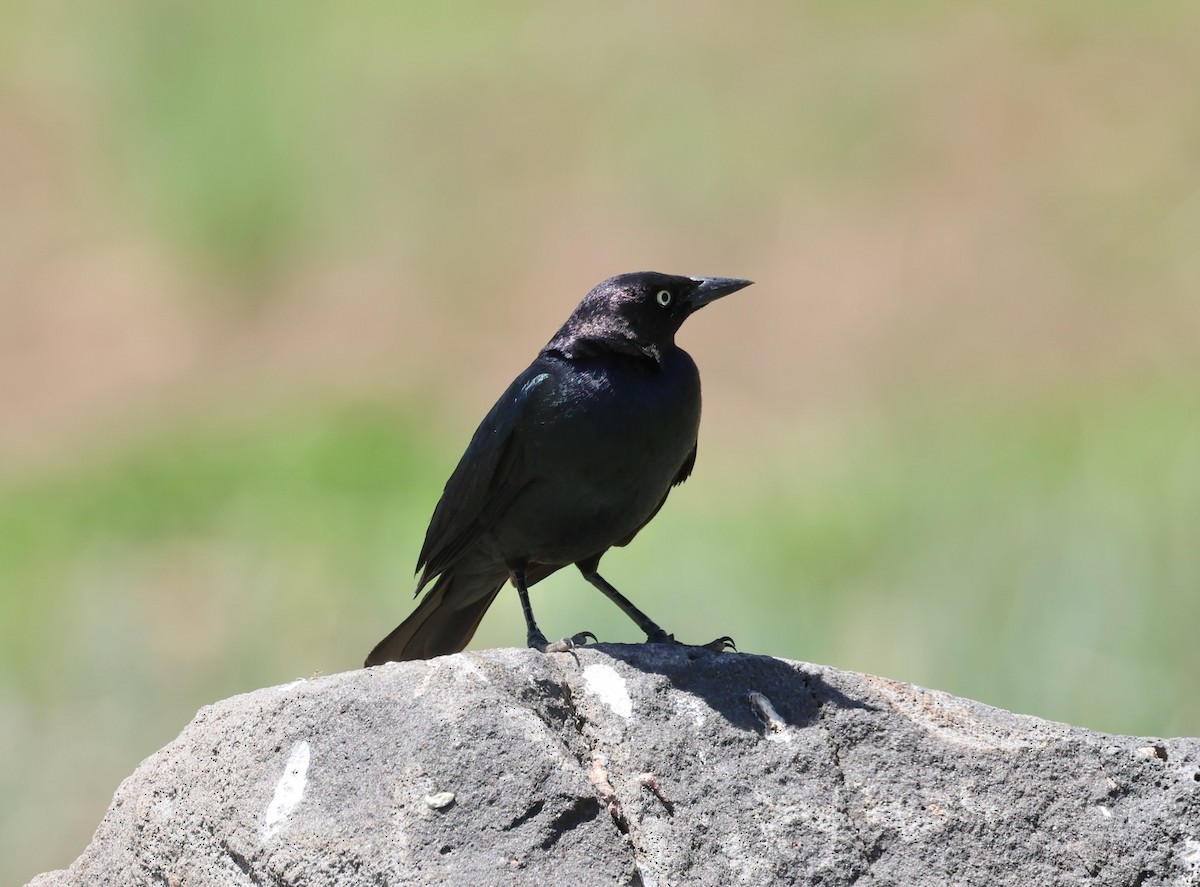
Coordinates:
<point>444,622</point>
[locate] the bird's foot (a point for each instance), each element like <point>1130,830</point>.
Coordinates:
<point>720,645</point>
<point>565,645</point>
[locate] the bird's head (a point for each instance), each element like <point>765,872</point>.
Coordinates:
<point>638,313</point>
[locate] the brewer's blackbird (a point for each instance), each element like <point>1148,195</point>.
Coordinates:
<point>575,457</point>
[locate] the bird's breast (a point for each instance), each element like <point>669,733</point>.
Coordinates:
<point>604,450</point>
<point>624,417</point>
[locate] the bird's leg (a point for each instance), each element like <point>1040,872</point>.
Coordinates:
<point>533,635</point>
<point>654,633</point>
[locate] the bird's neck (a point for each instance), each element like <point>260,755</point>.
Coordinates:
<point>575,347</point>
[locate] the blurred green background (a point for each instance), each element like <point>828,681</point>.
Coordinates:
<point>264,266</point>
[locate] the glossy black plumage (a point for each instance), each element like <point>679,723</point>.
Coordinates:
<point>575,457</point>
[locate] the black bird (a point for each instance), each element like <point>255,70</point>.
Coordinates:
<point>575,457</point>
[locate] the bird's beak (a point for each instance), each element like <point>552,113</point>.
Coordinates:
<point>713,288</point>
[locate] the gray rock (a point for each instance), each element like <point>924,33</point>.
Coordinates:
<point>641,765</point>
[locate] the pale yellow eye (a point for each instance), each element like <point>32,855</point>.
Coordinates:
<point>664,297</point>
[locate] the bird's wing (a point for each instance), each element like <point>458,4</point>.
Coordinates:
<point>684,471</point>
<point>489,476</point>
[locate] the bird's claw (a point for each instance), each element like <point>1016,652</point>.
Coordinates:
<point>566,645</point>
<point>720,645</point>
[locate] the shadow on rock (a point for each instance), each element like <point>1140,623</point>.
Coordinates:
<point>752,692</point>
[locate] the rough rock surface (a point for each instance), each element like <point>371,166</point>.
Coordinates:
<point>641,765</point>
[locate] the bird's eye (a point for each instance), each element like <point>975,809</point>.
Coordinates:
<point>664,297</point>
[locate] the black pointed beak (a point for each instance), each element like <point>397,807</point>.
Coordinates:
<point>713,288</point>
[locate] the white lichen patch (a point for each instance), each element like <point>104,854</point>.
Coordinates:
<point>439,800</point>
<point>1191,854</point>
<point>603,681</point>
<point>776,726</point>
<point>288,791</point>
<point>465,667</point>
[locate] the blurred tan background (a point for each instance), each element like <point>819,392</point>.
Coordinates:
<point>264,266</point>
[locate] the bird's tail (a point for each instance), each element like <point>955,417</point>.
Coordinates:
<point>444,622</point>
